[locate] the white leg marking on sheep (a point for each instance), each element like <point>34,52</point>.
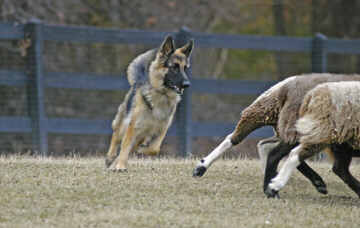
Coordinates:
<point>264,147</point>
<point>263,155</point>
<point>286,170</point>
<point>217,152</point>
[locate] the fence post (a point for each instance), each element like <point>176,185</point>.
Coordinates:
<point>319,63</point>
<point>183,115</point>
<point>318,54</point>
<point>35,86</point>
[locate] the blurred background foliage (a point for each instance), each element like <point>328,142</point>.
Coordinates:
<point>335,19</point>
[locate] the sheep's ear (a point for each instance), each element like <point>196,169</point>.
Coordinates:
<point>188,48</point>
<point>166,48</point>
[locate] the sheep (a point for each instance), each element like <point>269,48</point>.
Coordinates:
<point>277,107</point>
<point>329,115</point>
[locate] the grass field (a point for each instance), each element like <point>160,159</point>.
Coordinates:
<point>162,193</point>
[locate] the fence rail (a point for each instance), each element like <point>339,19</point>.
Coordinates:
<point>36,79</point>
<point>10,31</point>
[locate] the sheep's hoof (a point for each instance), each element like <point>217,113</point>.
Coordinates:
<point>321,187</point>
<point>199,171</point>
<point>271,193</point>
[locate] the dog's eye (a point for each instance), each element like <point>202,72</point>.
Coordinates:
<point>176,66</point>
<point>168,64</point>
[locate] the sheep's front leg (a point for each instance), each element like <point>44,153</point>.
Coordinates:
<point>272,150</point>
<point>265,148</point>
<point>249,121</point>
<point>297,155</point>
<point>285,172</point>
<point>204,163</point>
<point>272,162</point>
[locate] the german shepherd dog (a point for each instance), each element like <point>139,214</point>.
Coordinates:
<point>157,79</point>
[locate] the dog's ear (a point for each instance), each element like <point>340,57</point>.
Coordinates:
<point>188,48</point>
<point>166,48</point>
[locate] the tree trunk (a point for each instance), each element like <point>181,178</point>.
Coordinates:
<point>280,30</point>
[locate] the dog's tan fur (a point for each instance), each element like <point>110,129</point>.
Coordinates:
<point>143,126</point>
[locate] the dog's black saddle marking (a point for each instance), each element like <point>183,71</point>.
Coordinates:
<point>147,102</point>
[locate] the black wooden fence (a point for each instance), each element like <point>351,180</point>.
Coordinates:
<point>36,79</point>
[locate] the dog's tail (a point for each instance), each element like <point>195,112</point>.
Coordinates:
<point>137,71</point>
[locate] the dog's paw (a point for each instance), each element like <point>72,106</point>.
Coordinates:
<point>117,170</point>
<point>199,171</point>
<point>108,162</point>
<point>151,152</point>
<point>117,167</point>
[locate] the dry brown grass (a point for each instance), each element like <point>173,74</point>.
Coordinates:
<point>162,193</point>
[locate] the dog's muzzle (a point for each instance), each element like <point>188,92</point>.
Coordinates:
<point>180,90</point>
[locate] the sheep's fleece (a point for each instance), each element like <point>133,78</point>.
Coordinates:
<point>330,113</point>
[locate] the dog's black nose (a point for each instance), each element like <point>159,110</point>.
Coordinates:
<point>186,84</point>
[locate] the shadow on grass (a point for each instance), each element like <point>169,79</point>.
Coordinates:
<point>330,200</point>
<point>339,194</point>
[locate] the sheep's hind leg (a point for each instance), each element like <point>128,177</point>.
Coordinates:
<point>343,155</point>
<point>276,151</point>
<point>315,178</point>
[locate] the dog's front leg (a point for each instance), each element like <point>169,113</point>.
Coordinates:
<point>130,142</point>
<point>118,125</point>
<point>112,153</point>
<point>154,147</point>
